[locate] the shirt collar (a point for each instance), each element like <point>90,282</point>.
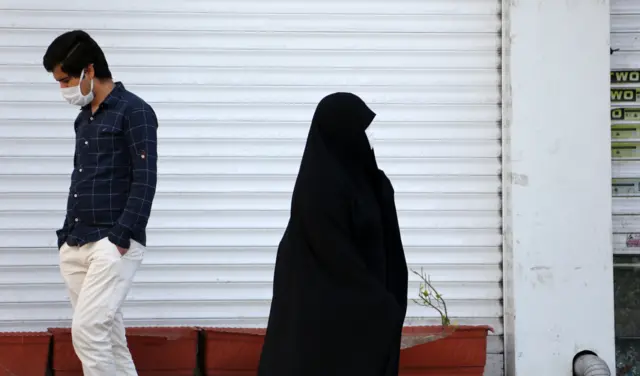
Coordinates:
<point>112,98</point>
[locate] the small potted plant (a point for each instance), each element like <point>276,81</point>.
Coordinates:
<point>441,349</point>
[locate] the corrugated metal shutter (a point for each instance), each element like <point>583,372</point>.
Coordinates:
<point>625,94</point>
<point>235,84</point>
<point>625,58</point>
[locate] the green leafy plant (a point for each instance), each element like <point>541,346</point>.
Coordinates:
<point>429,296</point>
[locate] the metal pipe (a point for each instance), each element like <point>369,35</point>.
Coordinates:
<point>590,364</point>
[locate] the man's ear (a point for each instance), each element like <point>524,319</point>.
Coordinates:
<point>90,72</point>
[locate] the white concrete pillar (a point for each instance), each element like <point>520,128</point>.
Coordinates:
<point>557,185</point>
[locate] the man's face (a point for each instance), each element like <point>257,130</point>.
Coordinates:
<point>66,80</point>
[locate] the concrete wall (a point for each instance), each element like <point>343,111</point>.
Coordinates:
<point>557,185</point>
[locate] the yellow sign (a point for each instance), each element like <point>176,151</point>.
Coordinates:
<point>625,95</point>
<point>625,131</point>
<point>625,186</point>
<point>625,113</point>
<point>626,76</point>
<point>625,150</point>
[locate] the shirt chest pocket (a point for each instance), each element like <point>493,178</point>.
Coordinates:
<point>105,140</point>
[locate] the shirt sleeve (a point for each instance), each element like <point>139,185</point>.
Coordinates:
<point>141,135</point>
<point>63,232</point>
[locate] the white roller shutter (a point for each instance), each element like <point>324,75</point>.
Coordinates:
<point>625,66</point>
<point>625,94</point>
<point>235,84</point>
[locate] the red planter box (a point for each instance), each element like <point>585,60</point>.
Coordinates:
<point>232,351</point>
<point>236,351</point>
<point>155,351</point>
<point>463,352</point>
<point>24,353</point>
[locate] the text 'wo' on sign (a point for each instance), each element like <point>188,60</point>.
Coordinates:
<point>625,76</point>
<point>623,95</point>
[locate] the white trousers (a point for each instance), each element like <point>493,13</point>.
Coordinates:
<point>98,279</point>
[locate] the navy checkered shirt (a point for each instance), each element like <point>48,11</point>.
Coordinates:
<point>115,172</point>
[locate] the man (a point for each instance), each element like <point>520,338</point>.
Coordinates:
<point>102,240</point>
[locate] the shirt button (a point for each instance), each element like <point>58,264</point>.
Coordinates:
<point>77,219</point>
<point>91,118</point>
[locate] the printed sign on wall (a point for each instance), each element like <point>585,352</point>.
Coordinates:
<point>630,186</point>
<point>625,131</point>
<point>633,241</point>
<point>625,77</point>
<point>625,137</point>
<point>625,95</point>
<point>625,150</point>
<point>625,114</point>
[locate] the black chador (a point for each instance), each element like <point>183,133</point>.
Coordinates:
<point>340,281</point>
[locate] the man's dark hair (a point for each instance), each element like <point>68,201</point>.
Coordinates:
<point>74,51</point>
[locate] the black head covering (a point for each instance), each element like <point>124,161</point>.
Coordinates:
<point>337,143</point>
<point>340,122</point>
<point>340,283</point>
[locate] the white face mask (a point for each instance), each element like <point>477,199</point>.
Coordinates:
<point>370,137</point>
<point>74,95</point>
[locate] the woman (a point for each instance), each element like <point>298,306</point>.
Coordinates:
<point>340,283</point>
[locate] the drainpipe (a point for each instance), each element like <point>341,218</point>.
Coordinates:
<point>587,363</point>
